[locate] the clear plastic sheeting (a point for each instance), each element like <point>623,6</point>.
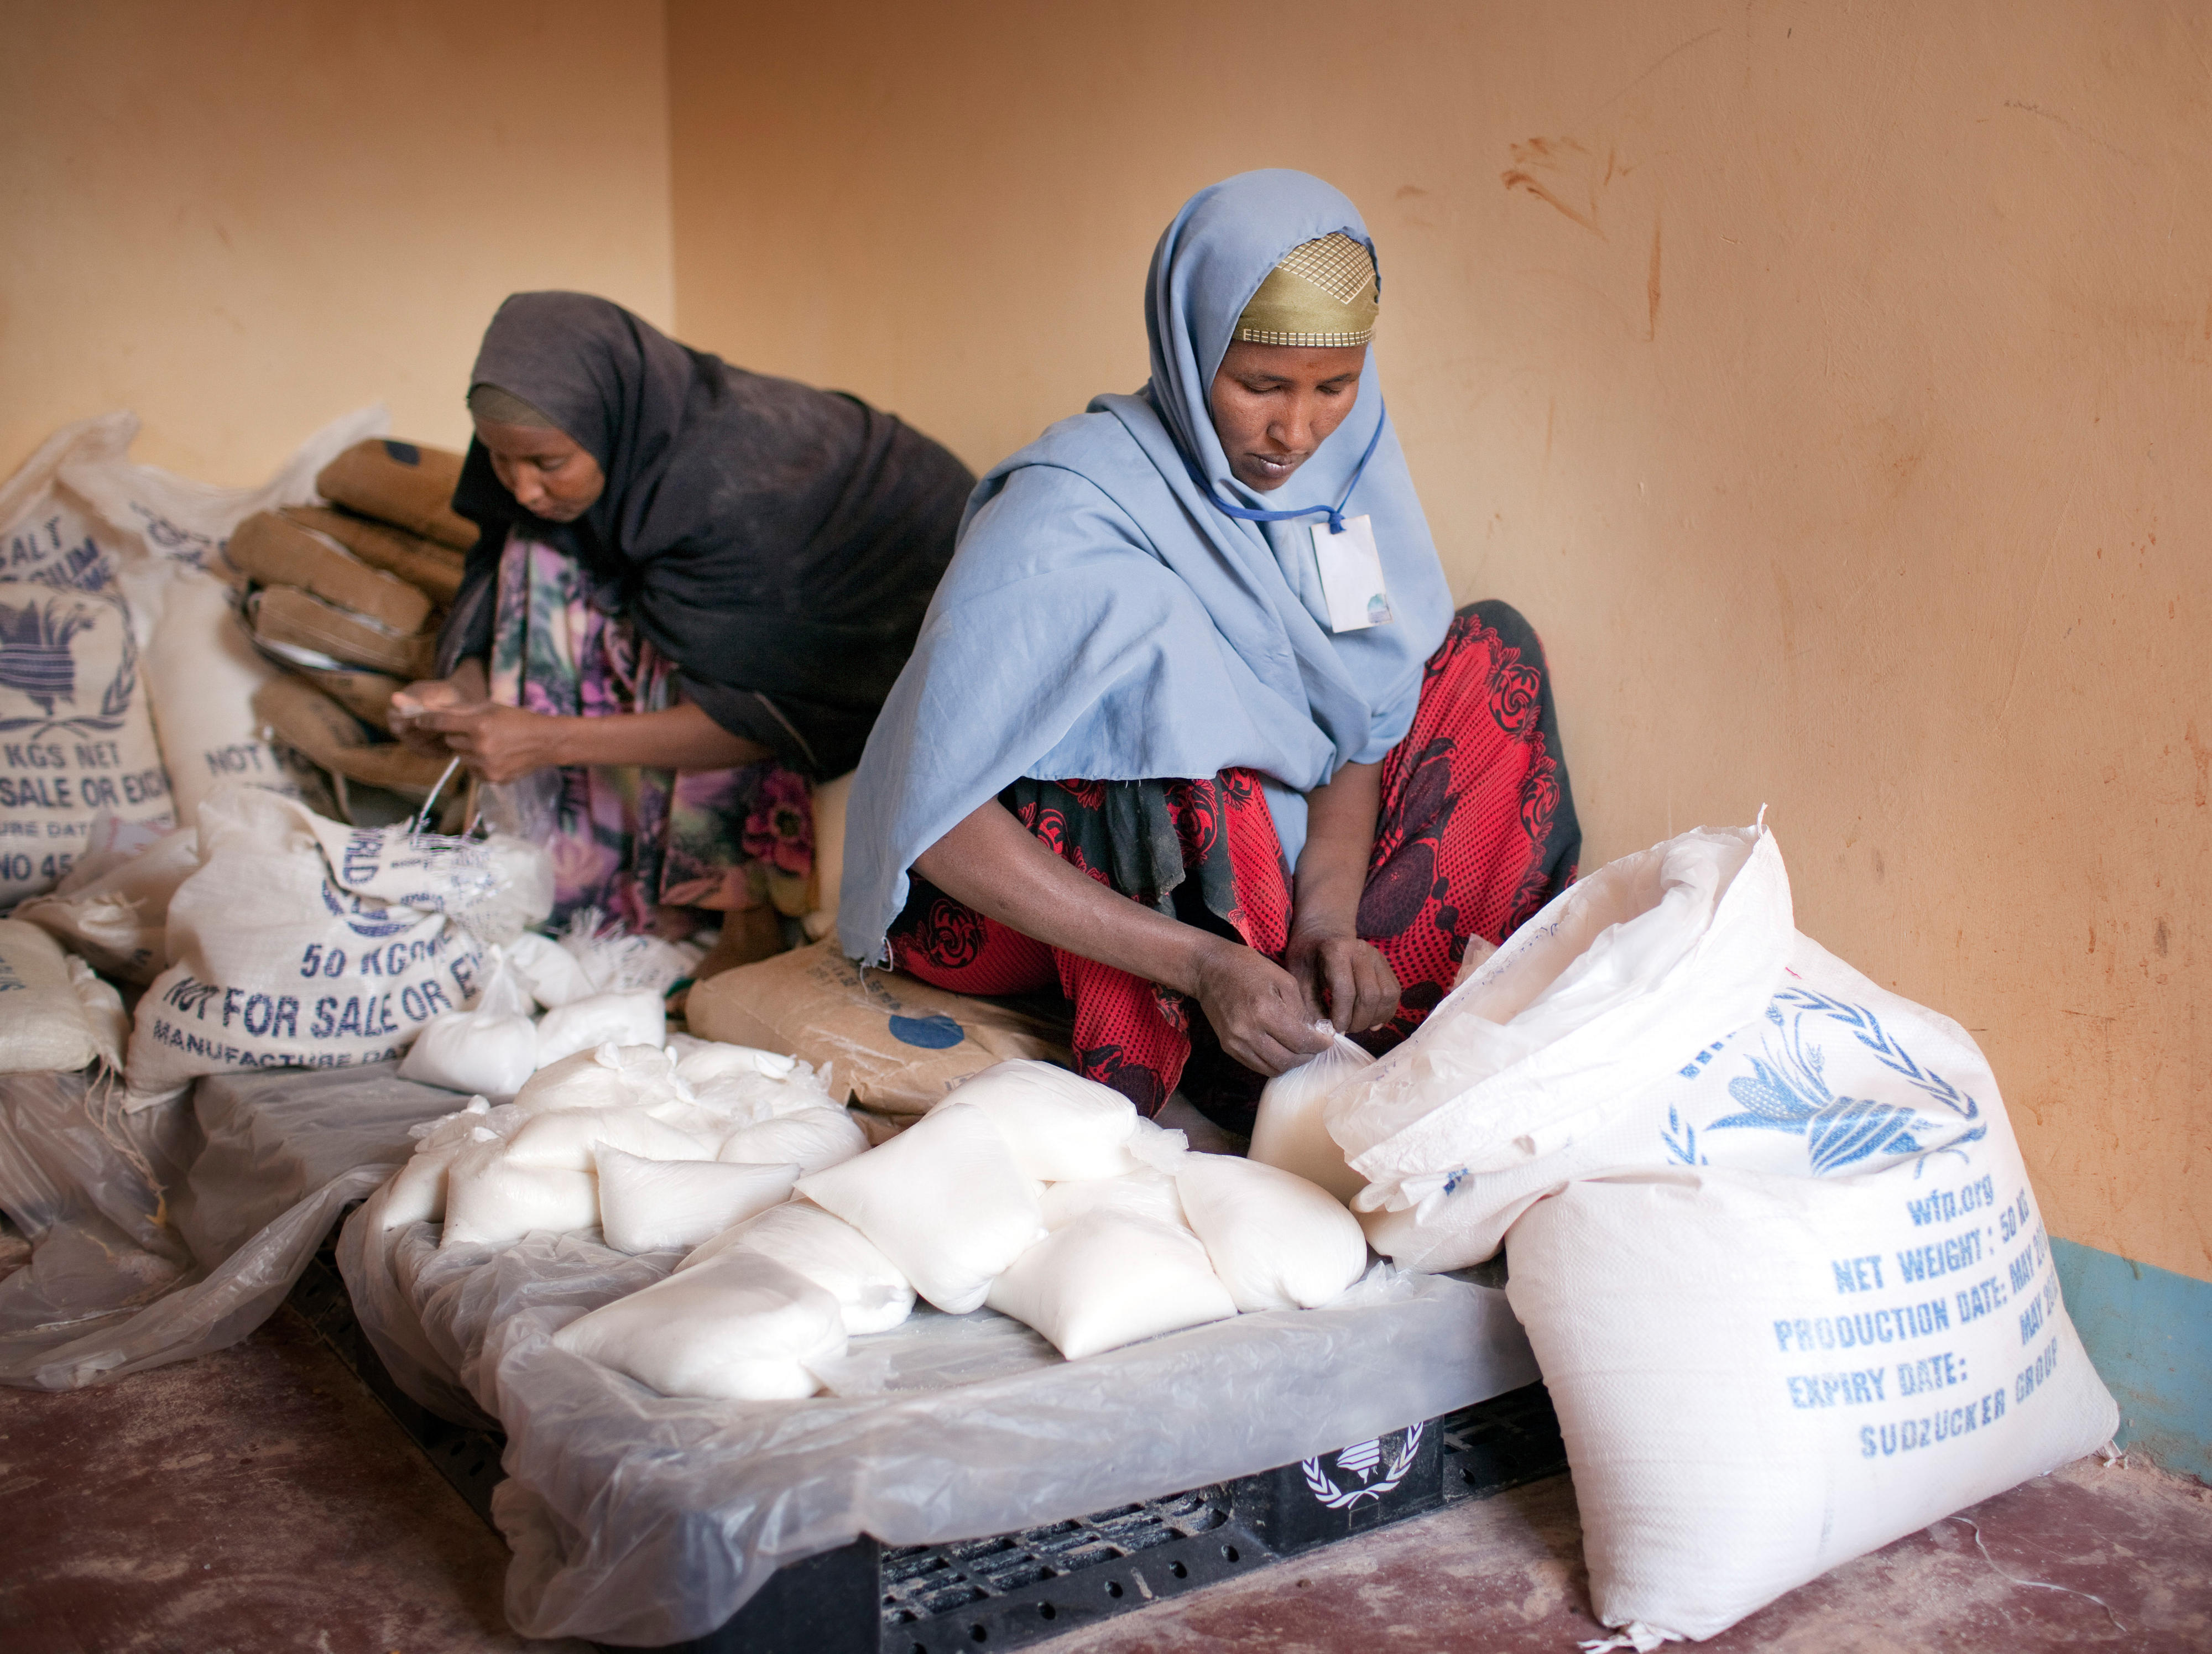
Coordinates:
<point>163,1234</point>
<point>642,1519</point>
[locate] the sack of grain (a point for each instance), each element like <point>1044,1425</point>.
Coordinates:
<point>401,482</point>
<point>301,942</point>
<point>176,520</point>
<point>433,568</point>
<point>201,673</point>
<point>75,741</point>
<point>1761,1377</point>
<point>271,549</point>
<point>304,720</point>
<point>289,617</point>
<point>897,1044</point>
<point>117,916</point>
<point>44,1025</point>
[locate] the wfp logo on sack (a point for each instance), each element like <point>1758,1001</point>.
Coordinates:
<point>37,661</point>
<point>367,917</point>
<point>1788,1090</point>
<point>1363,1469</point>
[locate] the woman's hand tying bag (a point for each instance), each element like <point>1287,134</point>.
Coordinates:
<point>497,743</point>
<point>1344,979</point>
<point>1257,1009</point>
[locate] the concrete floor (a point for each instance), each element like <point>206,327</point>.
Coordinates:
<point>260,1499</point>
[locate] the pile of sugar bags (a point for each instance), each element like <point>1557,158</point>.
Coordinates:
<point>594,990</point>
<point>1771,1236</point>
<point>1028,1190</point>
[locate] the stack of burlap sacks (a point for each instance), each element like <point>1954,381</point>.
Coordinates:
<point>348,598</point>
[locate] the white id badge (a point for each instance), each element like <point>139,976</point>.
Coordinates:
<point>1352,576</point>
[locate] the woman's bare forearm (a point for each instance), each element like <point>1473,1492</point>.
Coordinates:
<point>1341,816</point>
<point>990,862</point>
<point>680,737</point>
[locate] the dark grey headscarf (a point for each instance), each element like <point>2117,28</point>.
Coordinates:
<point>777,543</point>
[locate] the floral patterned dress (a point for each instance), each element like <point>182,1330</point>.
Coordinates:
<point>626,839</point>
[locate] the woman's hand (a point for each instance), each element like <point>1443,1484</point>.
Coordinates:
<point>1256,1008</point>
<point>497,743</point>
<point>1342,978</point>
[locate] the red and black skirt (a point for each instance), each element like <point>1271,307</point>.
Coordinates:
<point>1477,832</point>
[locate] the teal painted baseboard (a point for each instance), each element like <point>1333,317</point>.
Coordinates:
<point>2150,1331</point>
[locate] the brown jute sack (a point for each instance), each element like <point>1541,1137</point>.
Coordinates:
<point>367,694</point>
<point>285,614</point>
<point>275,550</point>
<point>897,1043</point>
<point>401,482</point>
<point>424,564</point>
<point>312,724</point>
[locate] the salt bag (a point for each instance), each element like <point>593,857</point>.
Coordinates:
<point>739,1327</point>
<point>871,1293</point>
<point>672,1206</point>
<point>1290,1132</point>
<point>490,1050</point>
<point>1548,1041</point>
<point>570,1138</point>
<point>1110,1279</point>
<point>1868,1353</point>
<point>1059,1125</point>
<point>816,1139</point>
<point>492,1201</point>
<point>634,1017</point>
<point>1277,1241</point>
<point>945,1200</point>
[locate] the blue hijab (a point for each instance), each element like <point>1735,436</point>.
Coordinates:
<point>1104,618</point>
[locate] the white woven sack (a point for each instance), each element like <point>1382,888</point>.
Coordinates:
<point>1761,1376</point>
<point>117,916</point>
<point>75,741</point>
<point>1836,1074</point>
<point>303,943</point>
<point>1549,1041</point>
<point>177,519</point>
<point>201,671</point>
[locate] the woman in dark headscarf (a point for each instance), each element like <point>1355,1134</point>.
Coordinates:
<point>694,588</point>
<point>1197,650</point>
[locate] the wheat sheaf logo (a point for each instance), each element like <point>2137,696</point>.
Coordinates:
<point>37,661</point>
<point>1362,1466</point>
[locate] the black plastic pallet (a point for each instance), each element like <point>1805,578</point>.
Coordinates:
<point>1014,1589</point>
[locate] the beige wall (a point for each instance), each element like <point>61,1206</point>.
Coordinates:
<point>244,217</point>
<point>1828,384</point>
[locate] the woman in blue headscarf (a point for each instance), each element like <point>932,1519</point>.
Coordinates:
<point>1192,640</point>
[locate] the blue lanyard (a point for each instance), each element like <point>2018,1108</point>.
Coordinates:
<point>1335,513</point>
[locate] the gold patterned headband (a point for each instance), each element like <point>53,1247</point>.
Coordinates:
<point>1322,294</point>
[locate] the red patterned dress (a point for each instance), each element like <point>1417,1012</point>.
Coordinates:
<point>1477,832</point>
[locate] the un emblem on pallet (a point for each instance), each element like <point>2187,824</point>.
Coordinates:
<point>1364,1473</point>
